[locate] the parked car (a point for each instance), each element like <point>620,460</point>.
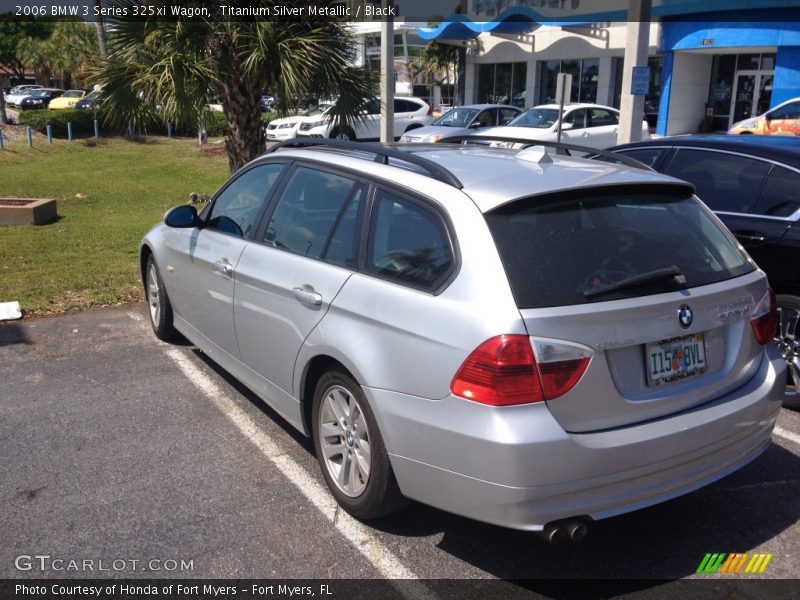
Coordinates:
<point>752,184</point>
<point>590,125</point>
<point>67,100</point>
<point>409,114</point>
<point>522,338</point>
<point>17,89</point>
<point>463,120</point>
<point>784,119</point>
<point>39,99</point>
<point>286,128</point>
<point>267,102</point>
<point>89,102</point>
<point>19,92</point>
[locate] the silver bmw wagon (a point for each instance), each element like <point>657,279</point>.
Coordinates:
<point>526,339</point>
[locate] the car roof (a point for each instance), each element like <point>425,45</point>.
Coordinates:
<point>576,105</point>
<point>772,147</point>
<point>482,106</point>
<point>493,177</point>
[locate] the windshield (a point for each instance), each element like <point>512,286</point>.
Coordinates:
<point>41,93</point>
<point>74,94</point>
<point>458,117</point>
<point>541,118</point>
<point>316,110</point>
<point>600,245</point>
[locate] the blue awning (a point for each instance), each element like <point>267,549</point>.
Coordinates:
<point>517,20</point>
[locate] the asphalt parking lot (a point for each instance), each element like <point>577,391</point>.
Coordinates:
<point>117,447</point>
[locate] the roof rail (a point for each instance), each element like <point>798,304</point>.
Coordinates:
<point>485,140</point>
<point>382,155</point>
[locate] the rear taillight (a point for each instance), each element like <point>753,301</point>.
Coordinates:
<point>765,318</point>
<point>430,110</point>
<point>503,371</point>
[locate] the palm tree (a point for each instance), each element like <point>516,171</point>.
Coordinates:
<point>179,64</point>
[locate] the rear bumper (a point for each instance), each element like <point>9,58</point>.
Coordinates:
<point>518,468</point>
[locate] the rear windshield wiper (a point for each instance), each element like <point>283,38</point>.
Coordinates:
<point>664,273</point>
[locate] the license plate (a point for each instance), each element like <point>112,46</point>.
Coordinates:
<point>676,358</point>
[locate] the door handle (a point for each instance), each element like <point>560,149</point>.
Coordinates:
<point>307,296</point>
<point>749,237</point>
<point>585,134</point>
<point>223,266</point>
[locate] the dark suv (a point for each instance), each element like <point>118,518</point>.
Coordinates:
<point>753,185</point>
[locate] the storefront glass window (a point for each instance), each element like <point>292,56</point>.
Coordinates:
<point>502,83</point>
<point>585,74</point>
<point>721,90</point>
<point>748,62</point>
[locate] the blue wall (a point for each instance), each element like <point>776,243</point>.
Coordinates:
<point>787,75</point>
<point>689,35</point>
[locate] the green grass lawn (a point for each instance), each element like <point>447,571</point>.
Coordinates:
<point>109,194</point>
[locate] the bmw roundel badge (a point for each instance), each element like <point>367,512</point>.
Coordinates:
<point>685,316</point>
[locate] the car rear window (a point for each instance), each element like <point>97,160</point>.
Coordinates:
<point>565,249</point>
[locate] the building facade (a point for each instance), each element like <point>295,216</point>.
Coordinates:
<point>712,62</point>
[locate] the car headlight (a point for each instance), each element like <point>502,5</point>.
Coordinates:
<point>286,125</point>
<point>433,138</point>
<point>316,124</point>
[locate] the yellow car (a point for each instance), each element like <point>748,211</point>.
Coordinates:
<point>67,100</point>
<point>784,119</point>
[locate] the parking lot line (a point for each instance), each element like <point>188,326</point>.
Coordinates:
<point>386,563</point>
<point>786,434</point>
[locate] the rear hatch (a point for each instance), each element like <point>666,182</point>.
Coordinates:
<point>647,283</point>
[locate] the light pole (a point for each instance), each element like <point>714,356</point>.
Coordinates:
<point>387,73</point>
<point>631,107</point>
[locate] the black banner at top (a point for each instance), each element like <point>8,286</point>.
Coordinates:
<point>423,12</point>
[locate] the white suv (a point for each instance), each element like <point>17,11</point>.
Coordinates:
<point>409,113</point>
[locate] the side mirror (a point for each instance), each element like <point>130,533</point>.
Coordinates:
<point>566,126</point>
<point>182,216</point>
<point>476,125</point>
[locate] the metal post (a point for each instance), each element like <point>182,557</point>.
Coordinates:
<point>96,129</point>
<point>564,91</point>
<point>631,108</point>
<point>49,133</point>
<point>30,136</point>
<point>169,130</point>
<point>2,141</point>
<point>387,75</point>
<point>69,131</point>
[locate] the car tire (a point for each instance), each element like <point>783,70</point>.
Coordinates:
<point>343,134</point>
<point>159,307</point>
<point>788,343</point>
<point>343,425</point>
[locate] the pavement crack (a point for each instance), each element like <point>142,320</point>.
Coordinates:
<point>336,515</point>
<point>87,378</point>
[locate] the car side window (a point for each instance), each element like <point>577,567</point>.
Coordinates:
<point>600,117</point>
<point>779,196</point>
<point>486,118</point>
<point>408,243</point>
<point>726,182</point>
<point>648,156</point>
<point>577,118</point>
<point>342,247</point>
<point>404,106</point>
<point>506,115</point>
<point>790,111</point>
<point>307,211</point>
<point>236,208</point>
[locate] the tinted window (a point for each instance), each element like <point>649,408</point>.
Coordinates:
<point>343,246</point>
<point>554,252</point>
<point>404,106</point>
<point>506,115</point>
<point>726,182</point>
<point>779,197</point>
<point>541,118</point>
<point>307,211</point>
<point>600,117</point>
<point>648,156</point>
<point>236,209</point>
<point>577,118</point>
<point>790,111</point>
<point>408,243</point>
<point>487,118</point>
